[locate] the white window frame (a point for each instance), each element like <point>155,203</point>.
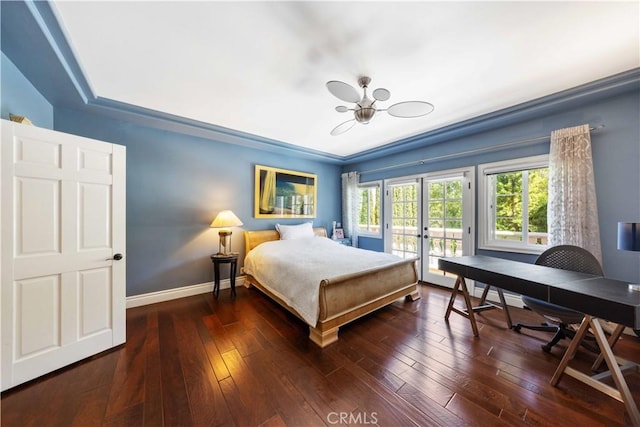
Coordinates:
<point>485,210</point>
<point>371,184</point>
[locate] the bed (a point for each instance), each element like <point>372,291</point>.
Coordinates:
<point>339,294</point>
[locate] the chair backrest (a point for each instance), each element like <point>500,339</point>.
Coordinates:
<point>568,257</point>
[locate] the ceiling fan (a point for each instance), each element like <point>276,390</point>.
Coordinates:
<point>365,108</point>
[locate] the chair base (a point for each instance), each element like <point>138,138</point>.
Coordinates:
<point>561,331</point>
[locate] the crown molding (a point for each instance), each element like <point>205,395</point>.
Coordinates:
<point>559,101</point>
<point>44,22</point>
<point>45,19</point>
<point>173,123</point>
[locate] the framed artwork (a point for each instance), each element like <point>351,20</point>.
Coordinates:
<point>339,233</point>
<point>282,193</point>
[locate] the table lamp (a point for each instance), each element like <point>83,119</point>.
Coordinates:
<point>629,240</point>
<point>224,221</point>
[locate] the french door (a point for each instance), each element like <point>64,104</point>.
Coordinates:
<point>431,216</point>
<point>63,224</point>
<point>403,213</point>
<point>448,200</point>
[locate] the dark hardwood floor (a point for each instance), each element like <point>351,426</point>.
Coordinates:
<point>247,362</point>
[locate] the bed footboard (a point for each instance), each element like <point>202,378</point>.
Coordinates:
<point>348,297</point>
<point>345,298</point>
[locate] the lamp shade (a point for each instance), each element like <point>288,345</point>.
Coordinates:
<point>629,236</point>
<point>226,219</point>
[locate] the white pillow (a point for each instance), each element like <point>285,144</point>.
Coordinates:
<point>291,232</point>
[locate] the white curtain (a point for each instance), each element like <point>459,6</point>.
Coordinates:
<point>350,204</point>
<point>572,211</point>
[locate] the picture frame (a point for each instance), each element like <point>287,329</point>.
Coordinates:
<point>283,193</point>
<point>339,233</point>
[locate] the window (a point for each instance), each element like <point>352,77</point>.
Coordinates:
<point>369,211</point>
<point>513,205</point>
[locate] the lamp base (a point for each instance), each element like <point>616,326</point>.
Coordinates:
<point>228,254</point>
<point>224,248</point>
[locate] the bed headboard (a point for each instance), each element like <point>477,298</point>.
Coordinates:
<point>255,237</point>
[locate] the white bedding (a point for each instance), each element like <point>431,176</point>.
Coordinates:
<point>293,269</point>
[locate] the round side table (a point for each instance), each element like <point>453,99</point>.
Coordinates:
<point>232,260</point>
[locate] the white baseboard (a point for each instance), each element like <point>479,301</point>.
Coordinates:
<point>175,293</point>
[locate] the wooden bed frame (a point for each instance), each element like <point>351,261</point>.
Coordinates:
<point>348,297</point>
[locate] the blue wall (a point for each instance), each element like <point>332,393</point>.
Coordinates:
<point>21,98</point>
<point>616,157</point>
<point>176,184</point>
<point>180,176</point>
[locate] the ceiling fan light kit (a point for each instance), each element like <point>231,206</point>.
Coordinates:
<point>365,108</point>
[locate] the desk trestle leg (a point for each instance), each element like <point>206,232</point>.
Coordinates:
<point>470,309</point>
<point>615,336</point>
<point>621,392</point>
<point>468,313</point>
<point>484,305</point>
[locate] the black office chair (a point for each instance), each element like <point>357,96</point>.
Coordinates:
<point>565,257</point>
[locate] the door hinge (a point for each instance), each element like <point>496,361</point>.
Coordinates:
<point>469,230</point>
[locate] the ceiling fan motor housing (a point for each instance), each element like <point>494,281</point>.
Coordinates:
<point>365,109</point>
<point>364,114</point>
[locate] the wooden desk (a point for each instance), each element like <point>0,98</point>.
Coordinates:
<point>597,297</point>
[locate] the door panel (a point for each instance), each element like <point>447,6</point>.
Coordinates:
<point>402,219</point>
<point>402,227</point>
<point>94,215</point>
<point>95,289</point>
<point>63,219</point>
<point>37,330</point>
<point>448,210</point>
<point>37,217</point>
<point>38,152</point>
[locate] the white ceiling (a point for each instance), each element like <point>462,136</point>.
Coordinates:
<point>261,67</point>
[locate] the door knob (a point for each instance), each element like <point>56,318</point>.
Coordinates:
<point>117,257</point>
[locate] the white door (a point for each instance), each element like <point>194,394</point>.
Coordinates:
<point>448,221</point>
<point>63,231</point>
<point>402,218</point>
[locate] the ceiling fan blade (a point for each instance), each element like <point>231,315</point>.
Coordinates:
<point>343,127</point>
<point>410,109</point>
<point>381,94</point>
<point>342,109</point>
<point>343,91</point>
